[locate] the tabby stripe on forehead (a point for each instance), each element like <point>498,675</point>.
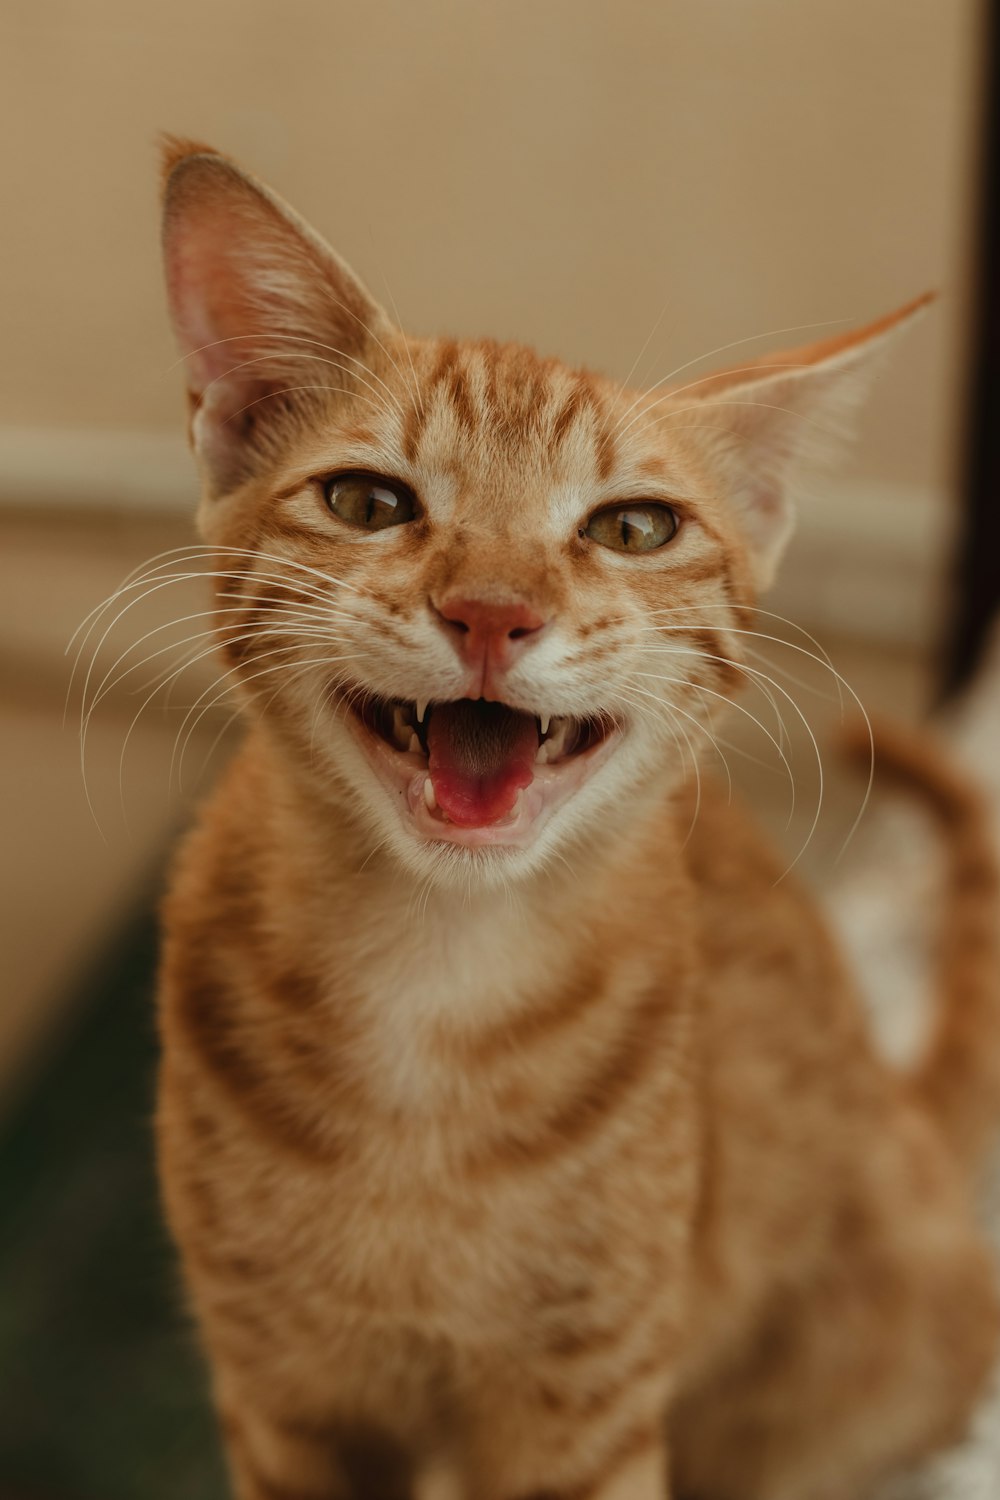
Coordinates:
<point>445,374</point>
<point>415,411</point>
<point>460,399</point>
<point>570,409</point>
<point>518,399</point>
<point>583,397</point>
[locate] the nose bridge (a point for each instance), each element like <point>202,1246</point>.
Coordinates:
<point>499,571</point>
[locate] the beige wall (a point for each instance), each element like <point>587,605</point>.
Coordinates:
<point>561,171</point>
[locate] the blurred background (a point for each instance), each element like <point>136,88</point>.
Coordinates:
<point>628,185</point>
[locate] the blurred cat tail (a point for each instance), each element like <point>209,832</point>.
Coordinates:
<point>958,1076</point>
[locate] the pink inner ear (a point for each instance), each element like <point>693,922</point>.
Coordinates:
<point>213,312</point>
<point>220,316</point>
<point>250,290</point>
<point>765,505</point>
<point>767,501</point>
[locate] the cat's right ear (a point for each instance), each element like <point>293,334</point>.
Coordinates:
<point>269,320</point>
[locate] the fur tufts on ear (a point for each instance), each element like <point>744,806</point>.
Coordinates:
<point>269,320</point>
<point>779,417</point>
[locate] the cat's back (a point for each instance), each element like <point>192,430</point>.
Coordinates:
<point>794,1094</point>
<point>762,935</point>
<point>784,1030</point>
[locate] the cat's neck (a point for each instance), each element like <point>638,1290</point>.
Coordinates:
<point>415,975</point>
<point>436,942</point>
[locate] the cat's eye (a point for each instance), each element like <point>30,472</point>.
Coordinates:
<point>369,500</point>
<point>633,526</point>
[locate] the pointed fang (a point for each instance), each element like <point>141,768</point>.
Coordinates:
<point>401,726</point>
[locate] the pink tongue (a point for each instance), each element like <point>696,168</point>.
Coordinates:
<point>481,755</point>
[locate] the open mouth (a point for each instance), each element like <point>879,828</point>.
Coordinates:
<point>474,771</point>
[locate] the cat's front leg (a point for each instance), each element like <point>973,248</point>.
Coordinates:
<point>543,1443</point>
<point>639,1476</point>
<point>269,1458</point>
<point>643,1478</point>
<point>273,1458</point>
<point>638,1471</point>
<point>277,1461</point>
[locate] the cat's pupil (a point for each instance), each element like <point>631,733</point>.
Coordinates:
<point>379,501</point>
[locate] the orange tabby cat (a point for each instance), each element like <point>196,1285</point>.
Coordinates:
<point>523,1137</point>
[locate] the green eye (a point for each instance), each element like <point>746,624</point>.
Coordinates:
<point>369,501</point>
<point>633,527</point>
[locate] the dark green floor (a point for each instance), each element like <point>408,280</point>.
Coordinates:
<point>102,1393</point>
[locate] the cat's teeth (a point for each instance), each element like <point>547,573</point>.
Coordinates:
<point>421,710</point>
<point>560,741</point>
<point>544,720</point>
<point>415,747</point>
<point>555,745</point>
<point>429,796</point>
<point>402,729</point>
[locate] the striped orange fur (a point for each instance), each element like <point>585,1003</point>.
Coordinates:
<point>529,1146</point>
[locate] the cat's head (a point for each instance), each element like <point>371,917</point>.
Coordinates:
<point>488,599</point>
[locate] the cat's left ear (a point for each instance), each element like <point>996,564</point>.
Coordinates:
<point>271,323</point>
<point>764,424</point>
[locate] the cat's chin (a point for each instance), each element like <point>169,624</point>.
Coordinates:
<point>405,775</point>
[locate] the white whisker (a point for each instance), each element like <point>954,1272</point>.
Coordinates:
<point>155,579</point>
<point>738,707</point>
<point>293,338</point>
<point>289,618</point>
<point>821,658</point>
<point>648,340</point>
<point>417,395</point>
<point>728,401</point>
<point>733,344</point>
<point>243,682</point>
<point>673,708</point>
<point>290,390</point>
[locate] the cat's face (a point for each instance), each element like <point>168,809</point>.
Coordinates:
<point>515,609</point>
<point>489,600</point>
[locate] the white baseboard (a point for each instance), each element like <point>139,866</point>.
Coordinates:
<point>869,559</point>
<point>139,473</point>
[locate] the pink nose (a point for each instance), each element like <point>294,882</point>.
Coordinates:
<point>488,635</point>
